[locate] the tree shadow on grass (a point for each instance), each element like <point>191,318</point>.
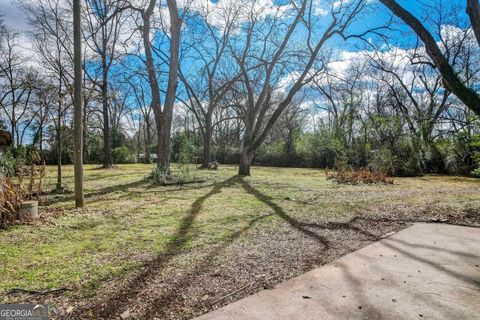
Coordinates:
<point>352,225</point>
<point>127,296</point>
<point>169,296</point>
<point>280,212</point>
<point>99,192</point>
<point>110,307</point>
<point>148,186</point>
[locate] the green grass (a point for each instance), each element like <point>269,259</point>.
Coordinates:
<point>127,220</point>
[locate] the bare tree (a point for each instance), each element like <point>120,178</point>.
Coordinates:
<point>291,122</point>
<point>51,32</point>
<point>451,80</point>
<point>104,26</point>
<point>417,94</point>
<point>78,123</point>
<point>45,98</point>
<point>17,83</point>
<point>163,115</point>
<point>207,85</point>
<point>259,111</point>
<point>141,98</point>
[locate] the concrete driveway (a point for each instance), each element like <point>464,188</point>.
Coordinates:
<point>427,271</point>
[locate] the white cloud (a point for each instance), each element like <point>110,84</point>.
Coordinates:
<point>220,13</point>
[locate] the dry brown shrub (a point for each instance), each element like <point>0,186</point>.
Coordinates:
<point>344,174</point>
<point>13,194</point>
<point>10,200</point>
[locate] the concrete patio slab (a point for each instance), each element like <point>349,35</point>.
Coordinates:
<point>427,271</point>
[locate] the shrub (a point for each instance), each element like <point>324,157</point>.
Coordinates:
<point>344,174</point>
<point>455,153</point>
<point>475,173</point>
<point>122,155</point>
<point>402,161</point>
<point>7,164</point>
<point>187,157</point>
<point>475,146</point>
<point>326,149</point>
<point>10,200</point>
<point>160,177</point>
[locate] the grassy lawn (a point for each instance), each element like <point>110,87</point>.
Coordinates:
<point>206,239</point>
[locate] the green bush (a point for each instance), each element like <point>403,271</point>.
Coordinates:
<point>403,161</point>
<point>475,173</point>
<point>187,157</point>
<point>7,164</point>
<point>122,155</point>
<point>327,149</point>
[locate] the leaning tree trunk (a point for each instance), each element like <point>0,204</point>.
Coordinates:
<point>451,79</point>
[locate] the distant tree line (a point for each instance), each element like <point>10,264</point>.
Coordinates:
<point>248,82</point>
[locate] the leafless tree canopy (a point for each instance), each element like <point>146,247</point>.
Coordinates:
<point>296,83</point>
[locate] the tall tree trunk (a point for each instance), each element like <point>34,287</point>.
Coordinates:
<point>84,133</point>
<point>246,153</point>
<point>170,95</point>
<point>58,125</point>
<point>207,142</point>
<point>163,118</point>
<point>147,143</point>
<point>77,103</point>
<point>152,75</point>
<point>107,141</point>
<point>246,158</point>
<point>163,163</point>
<point>59,187</point>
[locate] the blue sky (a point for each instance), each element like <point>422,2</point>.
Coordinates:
<point>376,16</point>
<point>12,16</point>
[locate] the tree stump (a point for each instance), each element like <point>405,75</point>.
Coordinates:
<point>213,165</point>
<point>28,211</point>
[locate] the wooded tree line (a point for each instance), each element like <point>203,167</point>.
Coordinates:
<point>301,83</point>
